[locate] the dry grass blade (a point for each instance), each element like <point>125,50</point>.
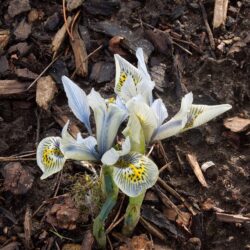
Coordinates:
<point>197,170</point>
<point>28,228</point>
<point>233,218</point>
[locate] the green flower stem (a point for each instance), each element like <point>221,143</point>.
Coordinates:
<point>133,210</point>
<point>132,214</point>
<point>111,193</point>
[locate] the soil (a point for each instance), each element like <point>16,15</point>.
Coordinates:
<point>53,213</point>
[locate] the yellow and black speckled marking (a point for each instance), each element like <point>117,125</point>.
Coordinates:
<point>124,76</point>
<point>51,156</point>
<point>194,113</point>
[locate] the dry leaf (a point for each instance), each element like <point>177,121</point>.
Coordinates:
<point>45,91</point>
<point>237,124</point>
<point>8,87</point>
<point>80,53</point>
<point>220,13</point>
<point>196,168</point>
<point>59,37</point>
<point>73,4</point>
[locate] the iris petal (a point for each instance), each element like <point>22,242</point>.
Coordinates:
<point>134,173</point>
<point>78,102</point>
<point>80,149</point>
<point>160,110</point>
<point>49,157</point>
<point>200,114</point>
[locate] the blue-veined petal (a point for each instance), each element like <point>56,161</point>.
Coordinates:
<point>177,123</point>
<point>160,111</point>
<point>49,157</point>
<point>133,128</point>
<point>134,173</point>
<point>146,116</point>
<point>112,155</point>
<point>78,102</point>
<point>123,70</point>
<point>200,114</point>
<point>80,149</point>
<point>108,120</point>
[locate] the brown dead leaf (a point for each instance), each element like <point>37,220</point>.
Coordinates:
<point>220,13</point>
<point>237,124</point>
<point>63,214</point>
<point>17,179</point>
<point>196,168</point>
<point>59,37</point>
<point>208,204</point>
<point>80,53</point>
<point>45,91</point>
<point>182,219</point>
<point>140,242</point>
<point>114,46</point>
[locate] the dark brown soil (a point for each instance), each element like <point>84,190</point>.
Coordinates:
<point>180,59</point>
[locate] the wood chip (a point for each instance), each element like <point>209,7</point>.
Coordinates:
<point>9,87</point>
<point>80,53</point>
<point>237,124</point>
<point>28,228</point>
<point>220,13</point>
<point>196,168</point>
<point>73,4</point>
<point>59,37</point>
<point>45,91</point>
<point>4,39</point>
<point>233,218</point>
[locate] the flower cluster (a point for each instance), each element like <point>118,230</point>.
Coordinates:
<point>133,172</point>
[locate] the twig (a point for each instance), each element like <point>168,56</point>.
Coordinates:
<point>17,158</point>
<point>233,218</point>
<point>65,20</point>
<point>89,55</point>
<point>166,166</point>
<point>39,76</point>
<point>110,243</point>
<point>181,47</point>
<point>59,179</point>
<point>176,195</point>
<point>115,224</point>
<point>209,31</point>
<point>150,151</point>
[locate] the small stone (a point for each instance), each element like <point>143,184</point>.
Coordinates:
<point>17,179</point>
<point>52,22</point>
<point>194,244</point>
<point>4,39</point>
<point>73,4</point>
<point>102,72</point>
<point>17,7</point>
<point>22,31</point>
<point>35,15</point>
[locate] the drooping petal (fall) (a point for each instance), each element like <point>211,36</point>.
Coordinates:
<point>80,149</point>
<point>134,173</point>
<point>108,119</point>
<point>49,157</point>
<point>111,156</point>
<point>78,102</point>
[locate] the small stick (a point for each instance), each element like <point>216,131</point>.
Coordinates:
<point>181,47</point>
<point>209,31</point>
<point>115,224</point>
<point>233,218</point>
<point>65,20</point>
<point>150,151</point>
<point>40,75</point>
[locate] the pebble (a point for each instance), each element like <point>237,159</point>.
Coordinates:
<point>22,30</point>
<point>17,7</point>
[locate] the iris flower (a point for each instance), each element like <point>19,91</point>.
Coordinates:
<point>134,87</point>
<point>133,172</point>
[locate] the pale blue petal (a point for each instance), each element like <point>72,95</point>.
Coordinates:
<point>49,157</point>
<point>128,90</point>
<point>80,149</point>
<point>160,111</point>
<point>134,173</point>
<point>133,128</point>
<point>78,102</point>
<point>110,157</point>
